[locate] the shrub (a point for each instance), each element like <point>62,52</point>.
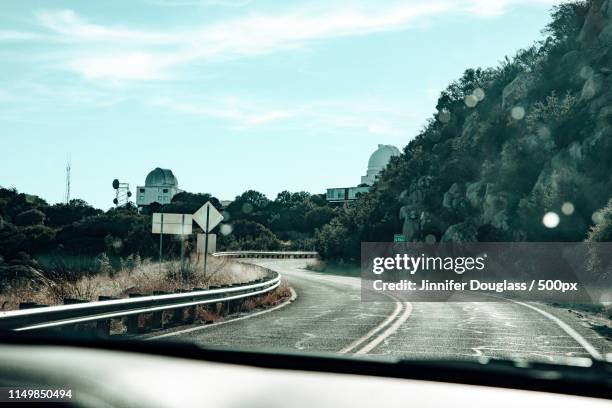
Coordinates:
<point>30,217</point>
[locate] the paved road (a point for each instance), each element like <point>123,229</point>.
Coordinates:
<point>328,315</point>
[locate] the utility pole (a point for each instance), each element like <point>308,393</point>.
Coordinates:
<point>67,192</point>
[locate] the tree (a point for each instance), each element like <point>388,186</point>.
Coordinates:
<point>249,235</point>
<point>30,217</point>
<point>189,203</point>
<point>251,205</point>
<point>335,241</point>
<point>62,214</point>
<point>567,20</point>
<point>317,217</point>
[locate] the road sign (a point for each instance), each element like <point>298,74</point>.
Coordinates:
<point>201,243</point>
<point>207,217</point>
<point>399,238</point>
<point>167,223</point>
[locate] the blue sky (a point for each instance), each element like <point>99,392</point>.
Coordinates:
<point>231,94</point>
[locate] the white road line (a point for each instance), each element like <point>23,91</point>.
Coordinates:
<point>387,321</point>
<point>206,326</point>
<point>566,328</point>
<point>392,329</point>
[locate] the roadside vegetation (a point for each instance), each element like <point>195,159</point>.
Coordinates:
<point>134,277</point>
<point>71,246</point>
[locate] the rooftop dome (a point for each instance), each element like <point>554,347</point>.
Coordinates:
<point>161,177</point>
<point>381,157</point>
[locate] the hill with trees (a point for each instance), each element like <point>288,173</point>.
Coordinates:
<point>506,146</point>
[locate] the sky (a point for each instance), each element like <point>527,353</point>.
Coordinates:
<point>231,94</point>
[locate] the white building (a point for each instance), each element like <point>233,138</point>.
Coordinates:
<point>160,186</point>
<point>378,161</point>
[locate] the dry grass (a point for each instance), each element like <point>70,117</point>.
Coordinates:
<point>205,315</point>
<point>278,295</point>
<point>144,278</point>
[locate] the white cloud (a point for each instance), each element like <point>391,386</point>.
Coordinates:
<point>142,54</point>
<point>9,35</point>
<point>119,53</point>
<point>71,27</point>
<point>319,117</point>
<point>125,66</point>
<point>238,112</point>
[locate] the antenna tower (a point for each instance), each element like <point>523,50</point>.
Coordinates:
<point>67,193</point>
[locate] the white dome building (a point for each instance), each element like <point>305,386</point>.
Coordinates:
<point>378,161</point>
<point>161,177</point>
<point>160,186</point>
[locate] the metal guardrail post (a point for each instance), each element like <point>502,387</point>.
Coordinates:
<point>132,324</point>
<point>189,314</point>
<point>103,327</point>
<point>132,320</point>
<point>157,318</point>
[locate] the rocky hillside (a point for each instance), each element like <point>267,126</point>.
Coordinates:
<point>508,145</point>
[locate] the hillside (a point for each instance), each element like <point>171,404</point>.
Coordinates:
<point>507,145</point>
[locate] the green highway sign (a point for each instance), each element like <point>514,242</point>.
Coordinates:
<point>399,238</point>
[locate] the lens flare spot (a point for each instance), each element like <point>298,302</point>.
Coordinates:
<point>247,208</point>
<point>479,94</point>
<point>597,217</point>
<point>226,229</point>
<point>550,219</point>
<point>567,208</point>
<point>471,101</point>
<point>517,113</point>
<point>543,131</point>
<point>586,72</point>
<point>444,116</point>
<point>430,239</point>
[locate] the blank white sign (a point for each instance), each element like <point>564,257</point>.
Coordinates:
<point>212,243</point>
<point>176,224</point>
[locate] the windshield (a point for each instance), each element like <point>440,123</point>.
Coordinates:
<point>423,180</point>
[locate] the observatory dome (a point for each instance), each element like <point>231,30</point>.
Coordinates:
<point>378,161</point>
<point>381,157</point>
<point>161,177</point>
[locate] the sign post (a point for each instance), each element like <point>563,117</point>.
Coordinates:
<point>207,218</point>
<point>174,224</point>
<point>206,239</point>
<point>161,234</point>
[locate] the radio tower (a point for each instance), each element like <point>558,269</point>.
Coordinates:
<point>67,197</point>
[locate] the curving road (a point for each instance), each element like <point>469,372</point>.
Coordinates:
<point>328,316</point>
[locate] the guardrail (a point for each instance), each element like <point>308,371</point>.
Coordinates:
<point>103,311</point>
<point>181,305</point>
<point>268,254</point>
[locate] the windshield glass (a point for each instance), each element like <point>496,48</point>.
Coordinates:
<point>415,180</point>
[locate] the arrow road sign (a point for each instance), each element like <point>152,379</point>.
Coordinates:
<point>207,211</point>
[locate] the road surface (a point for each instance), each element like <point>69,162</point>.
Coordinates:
<point>328,316</point>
